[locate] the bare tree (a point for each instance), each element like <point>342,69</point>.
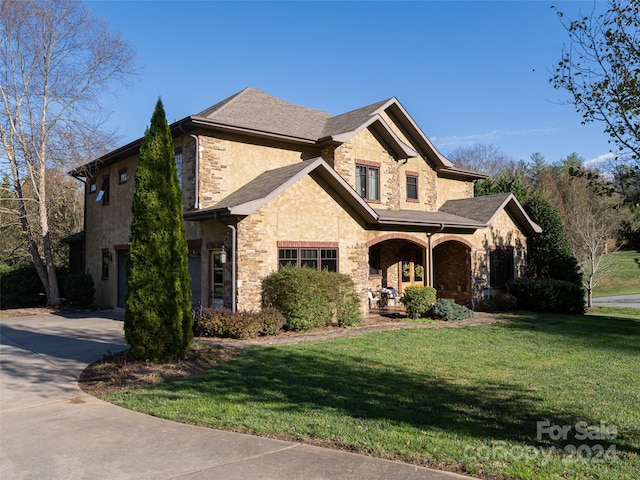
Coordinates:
<point>484,158</point>
<point>592,222</point>
<point>56,63</point>
<point>601,70</point>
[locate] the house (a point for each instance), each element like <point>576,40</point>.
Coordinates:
<point>266,183</point>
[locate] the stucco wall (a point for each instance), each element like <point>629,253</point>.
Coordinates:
<point>107,226</point>
<point>449,189</point>
<point>226,164</point>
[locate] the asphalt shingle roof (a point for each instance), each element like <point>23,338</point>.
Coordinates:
<point>481,209</point>
<point>263,185</point>
<point>256,110</point>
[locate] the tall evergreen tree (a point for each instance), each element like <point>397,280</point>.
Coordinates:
<point>158,322</point>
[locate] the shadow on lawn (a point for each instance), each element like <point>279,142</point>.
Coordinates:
<point>292,381</point>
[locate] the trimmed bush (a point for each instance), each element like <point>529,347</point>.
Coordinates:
<point>418,300</point>
<point>272,321</point>
<point>243,325</point>
<point>448,310</point>
<point>209,322</point>
<point>548,295</point>
<point>311,298</point>
<point>505,302</point>
<point>79,290</point>
<point>486,305</point>
<point>240,325</point>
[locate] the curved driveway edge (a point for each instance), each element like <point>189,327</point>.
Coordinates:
<point>51,429</point>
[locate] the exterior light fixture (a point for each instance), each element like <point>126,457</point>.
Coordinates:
<point>223,255</point>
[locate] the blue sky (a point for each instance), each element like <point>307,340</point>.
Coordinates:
<point>466,72</point>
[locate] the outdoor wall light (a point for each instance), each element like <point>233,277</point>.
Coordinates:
<point>223,255</point>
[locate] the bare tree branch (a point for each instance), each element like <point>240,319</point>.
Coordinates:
<point>56,63</point>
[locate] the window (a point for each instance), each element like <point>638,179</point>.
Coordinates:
<point>316,258</point>
<point>103,194</point>
<point>122,175</point>
<point>412,187</point>
<point>501,267</point>
<point>179,165</point>
<point>329,259</point>
<point>106,258</point>
<point>375,263</point>
<point>93,187</point>
<point>368,182</point>
<point>287,257</point>
<point>309,258</point>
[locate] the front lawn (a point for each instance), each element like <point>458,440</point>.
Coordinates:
<point>482,400</point>
<point>623,278</point>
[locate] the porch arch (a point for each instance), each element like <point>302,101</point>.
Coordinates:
<point>397,260</point>
<point>452,269</point>
<point>397,236</point>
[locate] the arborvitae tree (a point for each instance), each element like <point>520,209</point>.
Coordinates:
<point>158,322</point>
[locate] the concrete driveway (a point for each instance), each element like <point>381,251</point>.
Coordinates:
<point>50,429</point>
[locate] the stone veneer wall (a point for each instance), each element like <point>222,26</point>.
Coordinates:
<point>228,163</point>
<point>305,212</point>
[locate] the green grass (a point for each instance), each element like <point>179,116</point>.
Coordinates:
<point>624,277</point>
<point>467,397</point>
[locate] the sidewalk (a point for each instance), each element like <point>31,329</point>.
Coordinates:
<point>50,429</point>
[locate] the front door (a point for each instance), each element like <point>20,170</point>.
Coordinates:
<point>217,281</point>
<point>412,268</point>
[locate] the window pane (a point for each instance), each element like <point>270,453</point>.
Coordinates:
<point>309,258</point>
<point>179,167</point>
<point>329,260</point>
<point>361,181</point>
<point>500,267</point>
<point>374,261</point>
<point>374,174</point>
<point>412,188</point>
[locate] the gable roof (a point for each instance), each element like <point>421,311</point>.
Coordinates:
<point>484,209</point>
<point>252,196</point>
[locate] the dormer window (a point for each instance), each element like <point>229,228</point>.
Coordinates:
<point>368,181</point>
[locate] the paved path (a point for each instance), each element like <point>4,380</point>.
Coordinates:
<point>50,429</point>
<point>629,301</point>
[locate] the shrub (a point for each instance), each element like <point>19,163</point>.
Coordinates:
<point>310,298</point>
<point>486,305</point>
<point>548,295</point>
<point>79,290</point>
<point>505,302</point>
<point>272,321</point>
<point>418,300</point>
<point>240,325</point>
<point>243,325</point>
<point>210,322</point>
<point>20,286</point>
<point>448,310</point>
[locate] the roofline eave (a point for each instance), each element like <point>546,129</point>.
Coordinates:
<point>206,123</point>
